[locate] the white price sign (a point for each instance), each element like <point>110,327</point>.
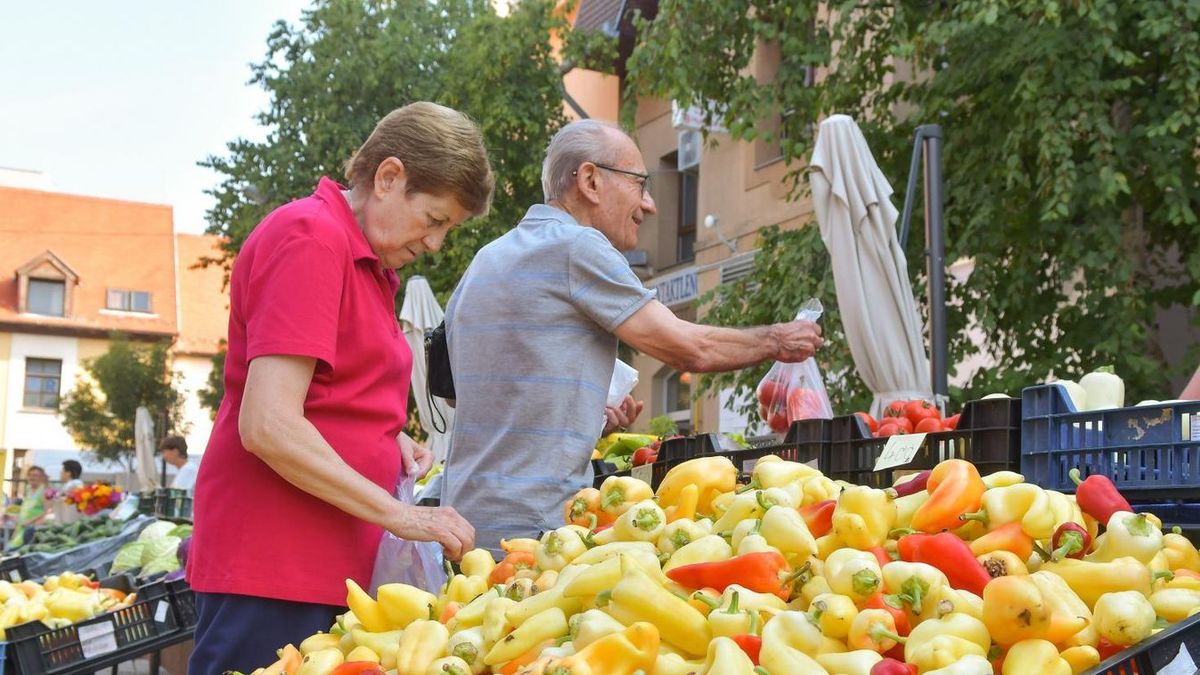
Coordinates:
<point>900,450</point>
<point>644,473</point>
<point>160,613</point>
<point>1182,664</point>
<point>97,639</point>
<point>1195,435</point>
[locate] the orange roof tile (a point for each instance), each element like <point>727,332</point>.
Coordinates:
<point>109,243</point>
<point>203,296</point>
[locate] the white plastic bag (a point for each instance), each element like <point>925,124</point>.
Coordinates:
<point>794,391</point>
<point>624,379</point>
<point>416,563</point>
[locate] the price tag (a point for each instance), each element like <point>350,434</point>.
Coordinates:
<point>1182,664</point>
<point>644,473</point>
<point>97,639</point>
<point>1195,435</point>
<point>160,612</point>
<point>748,465</point>
<point>900,450</point>
<point>14,575</point>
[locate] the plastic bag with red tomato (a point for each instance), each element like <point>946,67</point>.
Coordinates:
<point>794,391</point>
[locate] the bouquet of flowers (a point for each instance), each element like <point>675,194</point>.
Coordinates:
<point>94,498</point>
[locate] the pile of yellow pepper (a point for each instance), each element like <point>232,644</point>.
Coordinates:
<point>58,601</point>
<point>946,573</point>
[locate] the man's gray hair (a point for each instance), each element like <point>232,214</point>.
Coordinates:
<point>580,141</point>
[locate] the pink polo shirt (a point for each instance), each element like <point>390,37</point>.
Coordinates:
<point>306,283</point>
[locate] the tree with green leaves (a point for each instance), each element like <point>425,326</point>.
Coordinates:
<point>1071,163</point>
<point>99,412</point>
<point>349,62</point>
<point>213,391</point>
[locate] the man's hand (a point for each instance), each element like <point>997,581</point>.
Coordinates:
<point>796,340</point>
<point>623,415</point>
<point>416,457</point>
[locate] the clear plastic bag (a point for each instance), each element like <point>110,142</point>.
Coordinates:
<point>624,379</point>
<point>416,563</point>
<point>794,391</point>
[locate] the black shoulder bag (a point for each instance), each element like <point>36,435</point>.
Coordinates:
<point>439,379</point>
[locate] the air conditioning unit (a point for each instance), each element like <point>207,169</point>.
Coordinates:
<point>691,146</point>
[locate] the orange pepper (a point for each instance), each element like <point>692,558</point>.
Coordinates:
<point>955,487</point>
<point>358,668</point>
<point>448,612</point>
<point>580,509</point>
<point>1008,537</point>
<point>512,563</point>
<point>525,659</point>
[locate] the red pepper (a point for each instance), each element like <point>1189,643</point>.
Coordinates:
<point>819,517</point>
<point>881,555</point>
<point>1070,540</point>
<point>908,544</point>
<point>1098,497</point>
<point>953,557</point>
<point>751,644</point>
<point>903,627</point>
<point>358,668</point>
<point>761,572</point>
<point>512,563</point>
<point>893,667</point>
<point>1107,649</point>
<point>911,487</point>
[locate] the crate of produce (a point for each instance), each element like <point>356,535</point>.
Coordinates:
<point>14,568</point>
<point>988,435</point>
<point>1150,452</point>
<point>37,648</point>
<point>184,602</point>
<point>672,453</point>
<point>173,504</point>
<point>1175,650</point>
<point>806,441</point>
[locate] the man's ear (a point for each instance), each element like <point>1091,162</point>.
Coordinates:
<point>390,175</point>
<point>587,181</point>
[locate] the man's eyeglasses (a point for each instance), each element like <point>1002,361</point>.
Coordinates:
<point>643,178</point>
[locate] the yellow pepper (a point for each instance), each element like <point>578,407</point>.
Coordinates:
<point>321,662</point>
<point>637,597</point>
<point>364,654</point>
<point>680,533</point>
<point>771,471</point>
<point>1081,658</point>
<point>1124,618</point>
<point>376,642</point>
<point>552,597</point>
<point>857,662</point>
<point>674,664</point>
<point>710,548</point>
<point>1035,656</point>
<point>751,504</point>
<point>790,642</point>
<point>495,620</point>
<point>963,602</point>
<point>725,657</point>
<point>1025,503</point>
<point>1014,610</point>
<point>917,585</point>
<point>755,543</point>
<point>1001,563</point>
<point>1128,535</point>
<point>711,476</point>
<point>1002,479</point>
<point>1064,604</point>
<point>402,604</point>
<point>853,573</point>
<point>65,603</point>
<point>863,517</point>
<point>971,664</point>
<point>625,652</point>
<point>937,643</point>
<point>809,592</point>
<point>319,641</point>
<point>827,544</point>
<point>1090,580</point>
<point>461,589</point>
<point>1175,604</point>
<point>1180,553</point>
<point>721,504</point>
<point>550,624</point>
<point>907,505</point>
<point>478,562</point>
<point>367,609</point>
<point>601,577</point>
<point>818,489</point>
<point>833,613</point>
<point>873,629</point>
<point>644,521</point>
<point>589,626</point>
<point>733,619</point>
<point>785,529</point>
<point>469,646</point>
<point>557,548</point>
<point>619,493</point>
<point>472,613</point>
<point>449,665</point>
<point>423,643</point>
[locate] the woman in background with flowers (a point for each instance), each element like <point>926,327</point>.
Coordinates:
<point>33,506</point>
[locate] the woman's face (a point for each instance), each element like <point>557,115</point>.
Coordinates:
<point>400,225</point>
<point>35,477</point>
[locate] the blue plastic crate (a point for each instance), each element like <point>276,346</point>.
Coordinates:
<point>1149,452</point>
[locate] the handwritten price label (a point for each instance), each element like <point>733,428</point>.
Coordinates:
<point>644,473</point>
<point>900,450</point>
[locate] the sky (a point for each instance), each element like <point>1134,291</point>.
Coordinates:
<point>122,99</point>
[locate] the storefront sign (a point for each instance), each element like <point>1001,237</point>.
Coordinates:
<point>678,288</point>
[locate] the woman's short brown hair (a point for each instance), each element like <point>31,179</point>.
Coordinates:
<point>442,151</point>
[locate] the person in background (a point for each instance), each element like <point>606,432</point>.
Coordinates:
<point>174,451</point>
<point>33,506</point>
<point>298,480</point>
<point>65,512</point>
<point>532,331</point>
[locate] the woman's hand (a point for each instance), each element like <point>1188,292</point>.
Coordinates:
<point>416,456</point>
<point>441,524</point>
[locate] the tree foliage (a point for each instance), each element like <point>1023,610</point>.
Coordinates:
<point>349,62</point>
<point>213,391</point>
<point>99,412</point>
<point>1071,160</point>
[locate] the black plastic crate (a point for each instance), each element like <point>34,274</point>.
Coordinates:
<point>1182,514</point>
<point>671,453</point>
<point>184,602</point>
<point>38,649</point>
<point>1178,644</point>
<point>1150,452</point>
<point>653,475</point>
<point>988,436</point>
<point>14,569</point>
<point>807,442</point>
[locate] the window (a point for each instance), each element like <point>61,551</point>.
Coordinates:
<point>128,301</point>
<point>689,200</point>
<point>46,297</point>
<point>42,377</point>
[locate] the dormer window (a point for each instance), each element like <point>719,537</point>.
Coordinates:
<point>46,286</point>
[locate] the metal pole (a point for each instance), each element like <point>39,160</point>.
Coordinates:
<point>911,190</point>
<point>935,231</point>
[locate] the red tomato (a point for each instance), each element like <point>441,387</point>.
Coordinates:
<point>929,424</point>
<point>871,423</point>
<point>917,410</point>
<point>888,429</point>
<point>778,420</point>
<point>894,409</point>
<point>904,423</point>
<point>804,404</point>
<point>647,454</point>
<point>951,422</point>
<point>771,392</point>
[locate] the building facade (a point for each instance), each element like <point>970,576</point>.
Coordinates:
<point>74,270</point>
